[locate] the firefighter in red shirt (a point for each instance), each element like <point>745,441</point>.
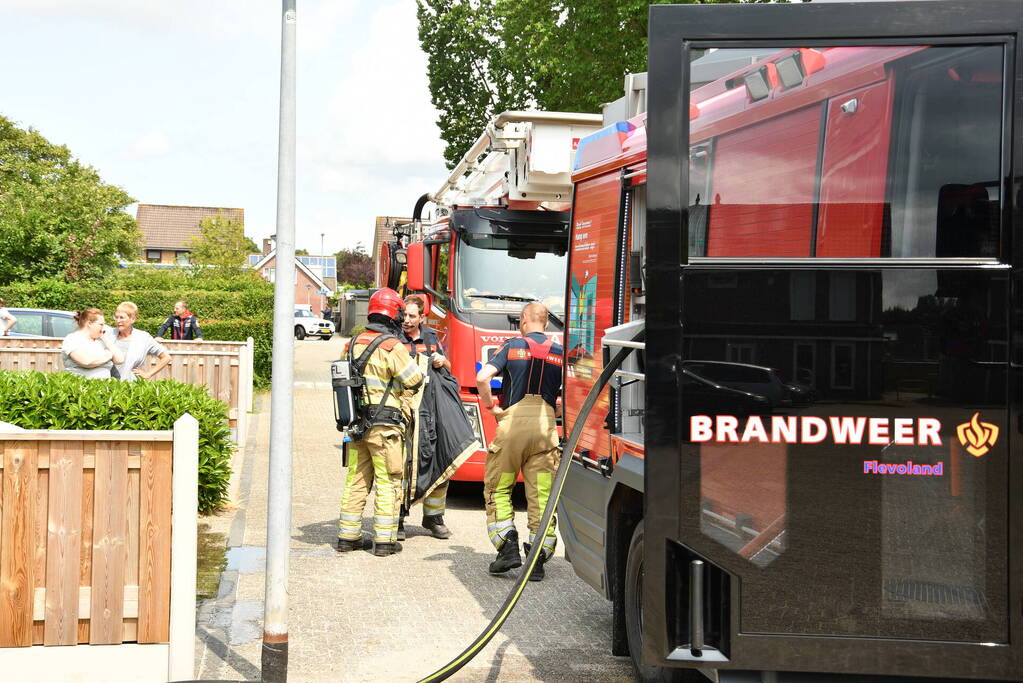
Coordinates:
<point>526,439</point>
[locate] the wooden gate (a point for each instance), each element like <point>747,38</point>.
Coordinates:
<point>98,547</point>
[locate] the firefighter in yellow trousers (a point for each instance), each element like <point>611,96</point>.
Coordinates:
<point>379,454</point>
<point>526,439</point>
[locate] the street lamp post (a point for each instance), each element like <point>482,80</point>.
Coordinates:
<point>278,520</point>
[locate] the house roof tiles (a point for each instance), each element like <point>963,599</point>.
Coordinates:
<point>170,227</point>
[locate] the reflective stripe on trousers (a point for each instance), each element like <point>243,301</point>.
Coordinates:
<point>434,503</point>
<point>377,461</point>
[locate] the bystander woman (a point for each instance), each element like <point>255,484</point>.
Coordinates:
<point>90,350</point>
<point>136,346</point>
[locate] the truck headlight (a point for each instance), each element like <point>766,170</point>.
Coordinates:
<point>472,411</point>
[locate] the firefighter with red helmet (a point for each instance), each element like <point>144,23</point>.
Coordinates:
<point>527,437</point>
<point>379,455</point>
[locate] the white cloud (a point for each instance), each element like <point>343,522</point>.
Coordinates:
<point>223,17</point>
<point>382,108</point>
<point>151,144</point>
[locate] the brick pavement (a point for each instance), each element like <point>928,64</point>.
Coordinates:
<point>360,618</point>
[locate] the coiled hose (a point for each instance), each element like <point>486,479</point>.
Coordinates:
<point>495,624</point>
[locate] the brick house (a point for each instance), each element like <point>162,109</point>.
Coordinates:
<point>308,285</point>
<point>166,230</point>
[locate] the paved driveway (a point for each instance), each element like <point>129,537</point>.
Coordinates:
<point>356,617</point>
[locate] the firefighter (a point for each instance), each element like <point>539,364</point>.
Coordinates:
<point>526,439</point>
<point>420,339</point>
<point>379,454</point>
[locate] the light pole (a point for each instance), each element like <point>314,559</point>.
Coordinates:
<point>309,295</point>
<point>274,662</point>
<point>322,252</point>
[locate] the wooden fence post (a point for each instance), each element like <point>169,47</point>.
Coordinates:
<point>185,504</point>
<point>250,344</point>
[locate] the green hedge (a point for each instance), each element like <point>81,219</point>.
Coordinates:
<point>254,302</point>
<point>261,332</point>
<point>37,400</point>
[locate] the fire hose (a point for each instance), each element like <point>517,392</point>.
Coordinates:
<point>545,521</point>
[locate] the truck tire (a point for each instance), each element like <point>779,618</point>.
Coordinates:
<point>299,332</point>
<point>634,621</point>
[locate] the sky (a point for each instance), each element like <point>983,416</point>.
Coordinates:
<point>176,101</point>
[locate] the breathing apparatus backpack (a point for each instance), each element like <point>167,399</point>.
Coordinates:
<point>353,413</point>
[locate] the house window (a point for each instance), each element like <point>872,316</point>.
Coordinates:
<point>153,255</point>
<point>268,274</point>
<point>181,258</point>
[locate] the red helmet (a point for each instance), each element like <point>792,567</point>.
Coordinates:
<point>388,302</point>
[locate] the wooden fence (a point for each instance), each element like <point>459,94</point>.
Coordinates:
<point>223,367</point>
<point>98,547</point>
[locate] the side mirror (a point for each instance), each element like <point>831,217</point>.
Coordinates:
<point>417,266</point>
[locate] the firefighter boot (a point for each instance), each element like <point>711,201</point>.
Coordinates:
<point>345,545</point>
<point>508,556</point>
<point>385,549</point>
<point>435,525</point>
<point>538,572</point>
<point>401,528</point>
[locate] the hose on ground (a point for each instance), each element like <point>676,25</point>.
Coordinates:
<point>545,521</point>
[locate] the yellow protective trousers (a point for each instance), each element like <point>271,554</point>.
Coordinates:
<point>527,442</point>
<point>378,460</point>
<point>434,503</point>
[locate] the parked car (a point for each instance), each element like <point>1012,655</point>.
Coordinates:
<point>752,378</point>
<point>706,397</point>
<point>37,323</point>
<point>309,325</point>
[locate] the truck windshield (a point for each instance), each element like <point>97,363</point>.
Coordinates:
<point>499,274</point>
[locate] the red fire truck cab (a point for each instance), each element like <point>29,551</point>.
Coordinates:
<point>497,239</point>
<point>807,468</point>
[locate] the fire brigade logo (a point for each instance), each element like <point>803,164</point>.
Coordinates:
<point>976,436</point>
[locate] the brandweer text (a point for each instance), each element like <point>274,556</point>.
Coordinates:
<point>875,431</point>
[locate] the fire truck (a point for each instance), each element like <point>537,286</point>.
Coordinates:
<point>806,468</point>
<point>496,239</point>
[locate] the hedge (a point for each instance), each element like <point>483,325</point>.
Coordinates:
<point>261,332</point>
<point>254,302</point>
<point>37,400</point>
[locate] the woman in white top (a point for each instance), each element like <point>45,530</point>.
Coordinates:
<point>90,351</point>
<point>136,345</point>
<point>7,320</point>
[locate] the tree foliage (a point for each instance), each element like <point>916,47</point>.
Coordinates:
<point>57,216</point>
<point>489,56</point>
<point>355,267</point>
<point>221,243</point>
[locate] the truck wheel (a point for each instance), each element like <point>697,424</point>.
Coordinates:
<point>299,332</point>
<point>634,621</point>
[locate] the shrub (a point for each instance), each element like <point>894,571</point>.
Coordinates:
<point>209,295</point>
<point>37,400</point>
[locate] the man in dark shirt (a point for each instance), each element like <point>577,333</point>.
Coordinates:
<point>182,325</point>
<point>526,439</point>
<point>422,340</point>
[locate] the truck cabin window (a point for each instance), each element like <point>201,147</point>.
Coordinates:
<point>849,152</point>
<point>500,274</point>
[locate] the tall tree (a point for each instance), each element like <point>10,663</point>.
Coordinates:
<point>221,243</point>
<point>57,216</point>
<point>488,56</point>
<point>355,267</point>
